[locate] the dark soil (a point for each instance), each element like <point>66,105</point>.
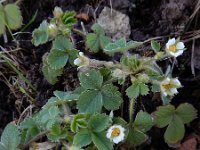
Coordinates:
<point>148,18</point>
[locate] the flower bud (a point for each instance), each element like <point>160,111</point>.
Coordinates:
<point>52,30</point>
<point>57,12</point>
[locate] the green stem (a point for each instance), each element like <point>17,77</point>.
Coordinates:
<point>131,108</point>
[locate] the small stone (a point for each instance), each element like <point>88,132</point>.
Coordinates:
<point>114,23</point>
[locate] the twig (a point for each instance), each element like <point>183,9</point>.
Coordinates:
<point>81,33</point>
<point>37,137</point>
<point>22,114</point>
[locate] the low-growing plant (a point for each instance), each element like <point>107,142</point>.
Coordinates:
<point>10,17</point>
<point>97,103</point>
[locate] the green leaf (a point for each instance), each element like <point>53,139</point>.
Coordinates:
<point>57,133</point>
<point>164,115</point>
<point>144,90</point>
<point>91,80</point>
<point>175,119</point>
<point>13,16</point>
<point>121,46</point>
<point>66,96</point>
<point>143,121</point>
<point>155,46</point>
<point>137,89</point>
<point>175,131</point>
<point>10,138</point>
<point>79,121</point>
<point>111,97</point>
<point>133,91</point>
<point>49,73</point>
<point>2,20</point>
<point>82,138</point>
<point>186,112</point>
<point>136,137</point>
<point>48,117</point>
<point>73,53</point>
<point>68,19</point>
<point>101,142</point>
<point>92,42</point>
<point>40,35</point>
<point>99,122</point>
<point>90,101</point>
<point>97,40</point>
<point>62,43</point>
<point>57,59</point>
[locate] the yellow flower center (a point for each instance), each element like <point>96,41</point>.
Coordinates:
<point>167,86</point>
<point>115,132</point>
<point>172,48</point>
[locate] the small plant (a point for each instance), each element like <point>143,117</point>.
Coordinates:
<point>98,101</point>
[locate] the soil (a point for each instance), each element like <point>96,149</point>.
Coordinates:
<point>148,19</point>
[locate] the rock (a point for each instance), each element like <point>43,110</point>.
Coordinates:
<point>115,24</point>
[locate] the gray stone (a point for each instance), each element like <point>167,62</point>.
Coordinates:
<point>115,24</point>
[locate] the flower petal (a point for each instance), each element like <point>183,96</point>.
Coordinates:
<point>77,61</point>
<point>178,53</point>
<point>176,82</point>
<point>171,41</point>
<point>173,91</point>
<point>180,45</point>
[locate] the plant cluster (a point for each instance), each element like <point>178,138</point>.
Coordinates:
<point>98,101</point>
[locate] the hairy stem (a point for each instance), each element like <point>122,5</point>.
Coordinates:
<point>131,111</point>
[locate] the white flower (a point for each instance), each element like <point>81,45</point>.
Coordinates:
<point>169,86</point>
<point>116,133</point>
<point>81,61</point>
<point>175,47</point>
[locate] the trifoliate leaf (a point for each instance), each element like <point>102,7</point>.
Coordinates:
<point>175,130</point>
<point>121,46</point>
<point>164,115</point>
<point>10,138</point>
<point>175,119</point>
<point>62,43</point>
<point>136,137</point>
<point>99,122</point>
<point>91,80</point>
<point>40,35</point>
<point>13,16</point>
<point>82,138</point>
<point>111,97</point>
<point>97,40</point>
<point>90,101</point>
<point>132,63</point>
<point>186,112</point>
<point>155,46</point>
<point>137,89</point>
<point>101,142</point>
<point>49,73</point>
<point>79,121</point>
<point>143,121</point>
<point>57,59</point>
